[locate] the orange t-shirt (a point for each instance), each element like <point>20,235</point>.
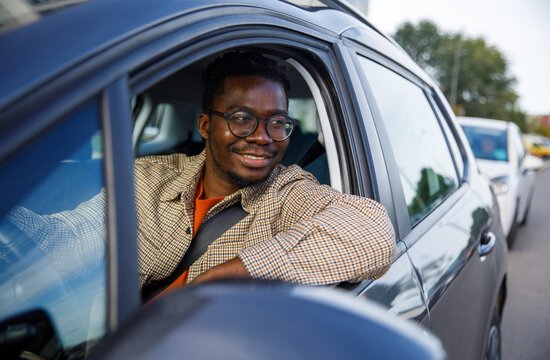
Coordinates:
<point>201,208</point>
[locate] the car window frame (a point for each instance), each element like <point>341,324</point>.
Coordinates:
<point>332,82</point>
<point>296,45</point>
<point>457,134</point>
<point>449,135</point>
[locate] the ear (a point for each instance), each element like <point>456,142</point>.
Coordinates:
<point>204,124</point>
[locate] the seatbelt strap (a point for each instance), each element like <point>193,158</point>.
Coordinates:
<point>315,150</point>
<point>208,231</point>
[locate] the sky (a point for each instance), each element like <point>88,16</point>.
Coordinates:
<point>520,29</point>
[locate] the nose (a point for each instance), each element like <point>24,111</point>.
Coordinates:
<point>260,135</point>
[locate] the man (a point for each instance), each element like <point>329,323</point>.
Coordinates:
<point>296,230</point>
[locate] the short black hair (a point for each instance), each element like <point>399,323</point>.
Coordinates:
<point>239,63</point>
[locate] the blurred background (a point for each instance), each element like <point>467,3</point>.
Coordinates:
<point>490,58</point>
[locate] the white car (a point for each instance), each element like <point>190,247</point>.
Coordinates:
<point>501,155</point>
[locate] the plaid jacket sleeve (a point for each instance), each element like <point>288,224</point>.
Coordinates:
<point>73,239</point>
<point>327,237</point>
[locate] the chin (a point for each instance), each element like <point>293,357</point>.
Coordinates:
<point>247,179</point>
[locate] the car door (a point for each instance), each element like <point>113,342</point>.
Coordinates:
<point>94,91</point>
<point>313,56</point>
<point>67,228</point>
<point>447,218</point>
<point>58,236</point>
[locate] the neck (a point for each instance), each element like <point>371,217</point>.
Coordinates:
<point>215,186</point>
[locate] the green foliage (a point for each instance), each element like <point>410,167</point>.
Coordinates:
<point>472,74</point>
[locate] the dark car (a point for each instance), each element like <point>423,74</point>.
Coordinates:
<point>87,89</point>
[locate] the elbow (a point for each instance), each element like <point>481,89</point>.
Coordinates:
<point>383,252</point>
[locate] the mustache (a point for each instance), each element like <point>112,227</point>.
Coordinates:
<point>254,148</point>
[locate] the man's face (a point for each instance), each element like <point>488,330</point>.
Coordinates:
<point>234,161</point>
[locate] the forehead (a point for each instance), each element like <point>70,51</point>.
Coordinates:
<point>253,91</point>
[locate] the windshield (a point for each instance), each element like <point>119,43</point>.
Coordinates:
<point>486,143</point>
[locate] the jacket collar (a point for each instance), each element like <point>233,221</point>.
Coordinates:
<point>184,186</point>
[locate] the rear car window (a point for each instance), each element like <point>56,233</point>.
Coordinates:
<point>426,167</point>
<point>486,143</point>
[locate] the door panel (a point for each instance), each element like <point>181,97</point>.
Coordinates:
<point>456,279</point>
<point>399,290</point>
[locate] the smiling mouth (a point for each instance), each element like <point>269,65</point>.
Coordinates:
<point>254,157</point>
<point>255,161</point>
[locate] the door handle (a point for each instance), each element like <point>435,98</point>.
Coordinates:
<point>487,243</point>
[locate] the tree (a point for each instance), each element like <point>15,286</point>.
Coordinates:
<point>472,74</point>
<point>423,43</point>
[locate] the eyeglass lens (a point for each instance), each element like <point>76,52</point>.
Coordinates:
<point>243,123</point>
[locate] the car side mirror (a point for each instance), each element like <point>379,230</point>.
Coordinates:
<point>531,162</point>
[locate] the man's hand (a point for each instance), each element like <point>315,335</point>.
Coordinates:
<point>233,268</point>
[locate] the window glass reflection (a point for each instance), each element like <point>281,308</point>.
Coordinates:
<point>452,143</point>
<point>425,164</point>
<point>53,268</point>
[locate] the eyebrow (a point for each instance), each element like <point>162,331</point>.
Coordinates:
<point>245,108</point>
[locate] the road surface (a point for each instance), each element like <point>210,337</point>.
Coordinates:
<point>526,319</point>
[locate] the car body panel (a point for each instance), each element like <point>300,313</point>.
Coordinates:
<point>399,289</point>
<point>443,249</point>
<point>454,272</point>
<point>305,319</point>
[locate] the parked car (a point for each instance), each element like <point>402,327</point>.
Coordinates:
<point>537,145</point>
<point>501,155</point>
<point>86,89</point>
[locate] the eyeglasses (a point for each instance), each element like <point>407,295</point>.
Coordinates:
<point>243,123</point>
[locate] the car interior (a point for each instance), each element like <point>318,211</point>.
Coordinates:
<point>165,122</point>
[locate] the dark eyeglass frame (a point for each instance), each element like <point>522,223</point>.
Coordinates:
<point>228,116</point>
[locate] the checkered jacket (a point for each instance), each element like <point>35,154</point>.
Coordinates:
<point>296,230</point>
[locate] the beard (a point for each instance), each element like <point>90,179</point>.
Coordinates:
<point>231,175</point>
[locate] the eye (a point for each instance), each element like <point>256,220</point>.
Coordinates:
<point>242,117</point>
<point>278,122</point>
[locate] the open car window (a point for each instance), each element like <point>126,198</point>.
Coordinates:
<point>166,115</point>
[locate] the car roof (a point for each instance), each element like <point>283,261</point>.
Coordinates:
<point>64,39</point>
<point>483,122</point>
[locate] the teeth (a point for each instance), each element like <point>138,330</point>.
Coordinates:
<point>254,157</point>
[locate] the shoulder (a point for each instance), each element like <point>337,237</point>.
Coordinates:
<point>285,175</point>
<point>295,181</point>
<point>296,185</point>
<point>174,162</point>
<point>166,165</point>
<point>166,173</point>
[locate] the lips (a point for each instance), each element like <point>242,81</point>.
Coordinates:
<point>255,160</point>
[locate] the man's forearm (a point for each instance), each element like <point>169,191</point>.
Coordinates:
<point>349,240</point>
<point>233,268</point>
